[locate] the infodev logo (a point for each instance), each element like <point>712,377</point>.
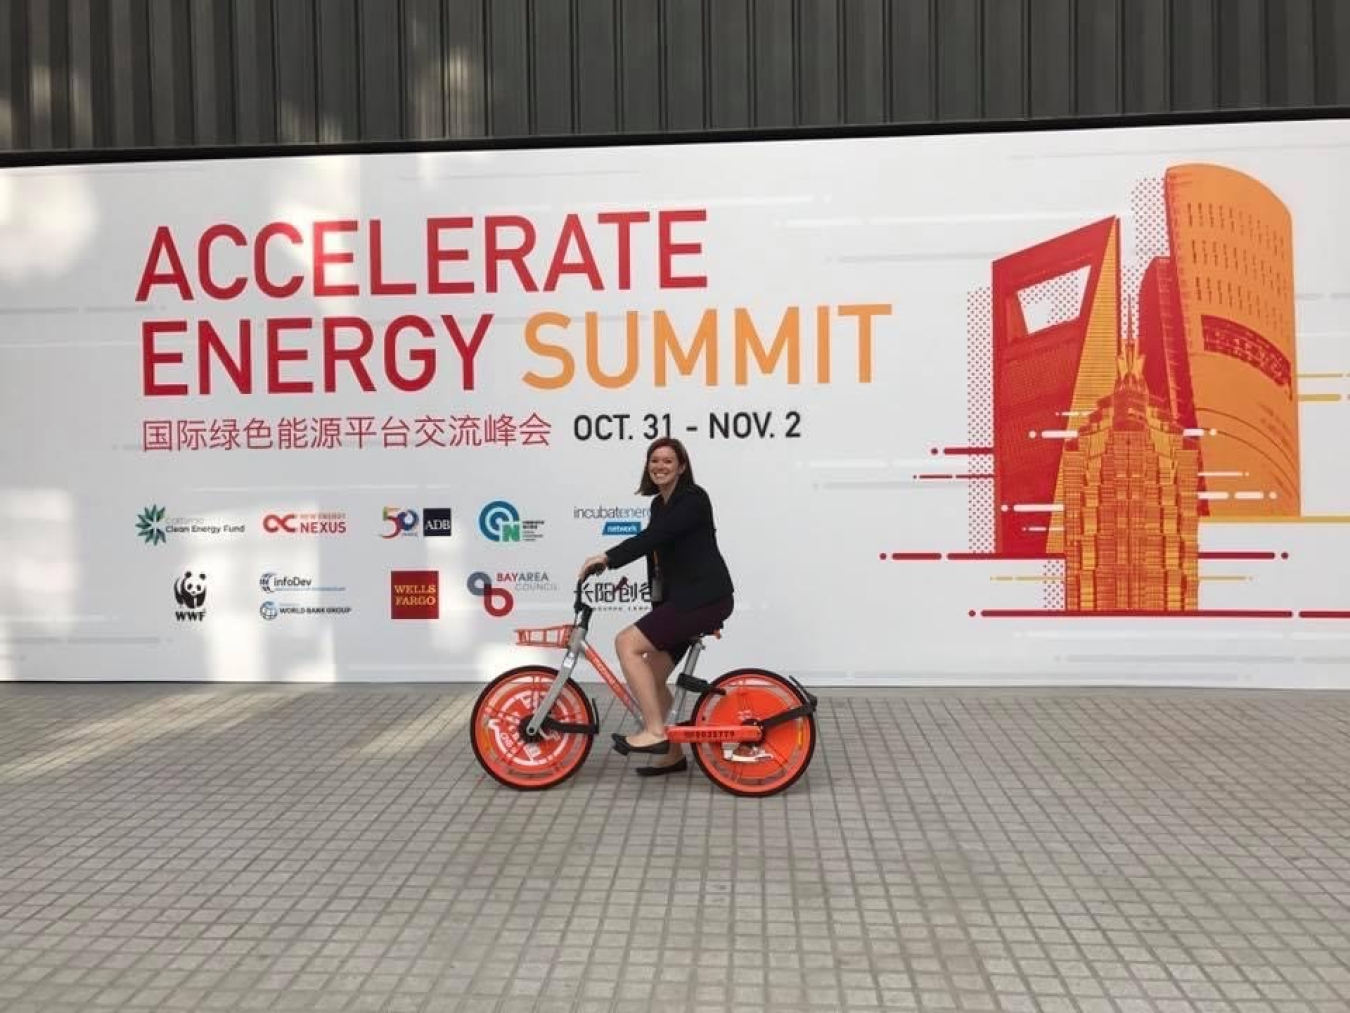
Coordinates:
<point>622,529</point>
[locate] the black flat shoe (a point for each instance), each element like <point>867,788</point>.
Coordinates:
<point>623,747</point>
<point>657,769</point>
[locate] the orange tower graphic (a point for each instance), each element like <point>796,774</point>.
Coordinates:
<point>1232,270</point>
<point>1131,524</point>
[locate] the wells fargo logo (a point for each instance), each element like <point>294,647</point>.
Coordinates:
<point>415,594</point>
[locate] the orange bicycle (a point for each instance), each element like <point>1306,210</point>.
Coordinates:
<point>753,732</point>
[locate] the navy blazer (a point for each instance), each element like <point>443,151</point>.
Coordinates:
<point>680,543</point>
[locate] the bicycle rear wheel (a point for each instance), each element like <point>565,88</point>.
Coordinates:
<point>497,729</point>
<point>762,768</point>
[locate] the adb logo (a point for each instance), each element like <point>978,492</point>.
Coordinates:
<point>500,521</point>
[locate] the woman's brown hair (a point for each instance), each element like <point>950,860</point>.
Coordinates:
<point>646,487</point>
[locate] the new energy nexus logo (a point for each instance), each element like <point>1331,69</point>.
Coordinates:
<point>328,522</point>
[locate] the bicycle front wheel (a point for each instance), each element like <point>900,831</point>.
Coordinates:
<point>763,768</point>
<point>500,742</point>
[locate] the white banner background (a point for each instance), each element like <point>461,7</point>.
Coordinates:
<point>911,223</point>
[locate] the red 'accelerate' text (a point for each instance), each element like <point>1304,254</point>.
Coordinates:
<point>510,247</point>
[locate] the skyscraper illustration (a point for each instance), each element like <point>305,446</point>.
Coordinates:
<point>1131,525</point>
<point>1044,377</point>
<point>1232,256</point>
<point>1109,449</point>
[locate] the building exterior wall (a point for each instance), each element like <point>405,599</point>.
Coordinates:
<point>78,74</point>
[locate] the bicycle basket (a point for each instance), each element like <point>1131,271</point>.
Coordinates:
<point>543,636</point>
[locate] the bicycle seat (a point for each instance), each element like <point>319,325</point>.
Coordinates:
<point>716,631</point>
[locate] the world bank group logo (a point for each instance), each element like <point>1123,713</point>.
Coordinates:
<point>500,521</point>
<point>310,591</point>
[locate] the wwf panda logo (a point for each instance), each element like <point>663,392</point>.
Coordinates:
<point>189,590</point>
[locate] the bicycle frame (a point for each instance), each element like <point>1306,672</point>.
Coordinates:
<point>577,646</point>
<point>573,638</point>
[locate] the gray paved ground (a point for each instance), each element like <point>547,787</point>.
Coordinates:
<point>337,849</point>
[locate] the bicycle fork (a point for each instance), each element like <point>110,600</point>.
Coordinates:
<point>539,720</point>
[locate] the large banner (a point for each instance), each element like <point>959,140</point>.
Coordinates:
<point>1035,407</point>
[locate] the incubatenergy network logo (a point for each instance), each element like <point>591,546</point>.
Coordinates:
<point>621,521</point>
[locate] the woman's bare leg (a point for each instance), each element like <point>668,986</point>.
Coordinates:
<point>634,649</point>
<point>662,664</point>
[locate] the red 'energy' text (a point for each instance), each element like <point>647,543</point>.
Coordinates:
<point>456,255</point>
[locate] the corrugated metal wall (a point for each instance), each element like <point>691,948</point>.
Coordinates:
<point>119,73</point>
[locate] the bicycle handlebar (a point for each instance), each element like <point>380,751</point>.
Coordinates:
<point>581,607</point>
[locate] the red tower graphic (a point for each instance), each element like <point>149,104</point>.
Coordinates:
<point>1162,341</point>
<point>1046,377</point>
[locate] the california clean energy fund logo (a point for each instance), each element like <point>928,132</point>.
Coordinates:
<point>154,526</point>
<point>151,526</point>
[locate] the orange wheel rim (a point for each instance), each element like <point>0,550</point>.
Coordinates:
<point>498,731</point>
<point>774,760</point>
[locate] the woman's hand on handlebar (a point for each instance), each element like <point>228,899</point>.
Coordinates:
<point>595,564</point>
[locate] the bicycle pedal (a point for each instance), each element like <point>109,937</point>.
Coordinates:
<point>693,684</point>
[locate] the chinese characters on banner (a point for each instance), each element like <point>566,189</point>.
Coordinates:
<point>357,432</point>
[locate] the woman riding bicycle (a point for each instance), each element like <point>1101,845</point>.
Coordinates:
<point>691,592</point>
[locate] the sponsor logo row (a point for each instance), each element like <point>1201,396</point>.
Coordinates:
<point>413,594</point>
<point>299,596</point>
<point>498,521</point>
<point>416,594</point>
